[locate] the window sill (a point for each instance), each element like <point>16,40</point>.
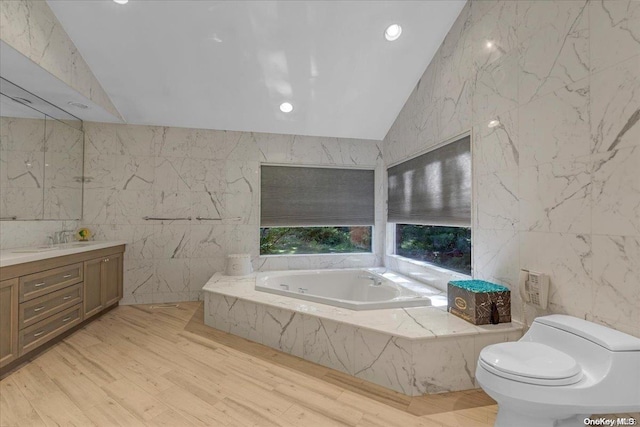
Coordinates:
<point>316,255</point>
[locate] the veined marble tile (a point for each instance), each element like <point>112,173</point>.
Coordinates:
<point>615,32</point>
<point>24,203</point>
<point>172,241</point>
<point>243,206</point>
<point>554,44</point>
<point>62,203</point>
<point>274,148</point>
<point>134,140</point>
<point>201,270</point>
<point>615,106</point>
<point>171,275</point>
<point>494,31</point>
<point>100,139</point>
<point>132,205</point>
<point>616,272</point>
<point>242,239</point>
<point>138,173</point>
<point>556,126</point>
<point>496,88</point>
<point>424,122</point>
<point>18,134</point>
<point>329,344</point>
<point>62,138</point>
<point>496,148</point>
<point>171,205</point>
<point>246,320</point>
<point>241,146</point>
<point>207,204</point>
<point>217,311</point>
<point>173,174</point>
<point>208,175</point>
<point>99,206</point>
<point>616,192</point>
<point>556,197</point>
<point>208,240</point>
<point>22,169</point>
<point>209,145</point>
<point>497,201</point>
<point>495,254</point>
<point>174,142</point>
<point>63,170</point>
<point>241,177</point>
<point>384,360</point>
<point>458,373</point>
<point>567,258</point>
<point>139,277</point>
<point>104,171</point>
<point>283,330</point>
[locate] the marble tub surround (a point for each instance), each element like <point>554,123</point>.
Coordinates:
<point>38,253</point>
<point>411,350</point>
<point>555,187</point>
<point>139,171</point>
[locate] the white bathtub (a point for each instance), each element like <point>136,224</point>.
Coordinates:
<point>355,289</point>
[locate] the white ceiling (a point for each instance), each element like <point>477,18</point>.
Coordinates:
<point>229,64</point>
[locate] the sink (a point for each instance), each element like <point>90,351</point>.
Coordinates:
<point>35,249</point>
<point>78,244</point>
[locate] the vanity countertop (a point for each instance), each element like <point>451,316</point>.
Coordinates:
<point>36,253</point>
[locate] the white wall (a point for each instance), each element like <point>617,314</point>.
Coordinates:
<point>139,171</point>
<point>557,187</point>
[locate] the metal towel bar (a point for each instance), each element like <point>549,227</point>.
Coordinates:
<point>199,218</point>
<point>153,218</point>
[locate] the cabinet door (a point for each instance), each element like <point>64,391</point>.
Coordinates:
<point>8,321</point>
<point>112,279</point>
<point>93,293</point>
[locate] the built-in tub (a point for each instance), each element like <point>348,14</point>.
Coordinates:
<point>355,289</point>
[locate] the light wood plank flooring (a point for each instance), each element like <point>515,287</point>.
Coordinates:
<point>140,365</point>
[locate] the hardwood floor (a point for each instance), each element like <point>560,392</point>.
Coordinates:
<point>148,365</point>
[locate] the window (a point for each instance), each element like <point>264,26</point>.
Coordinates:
<point>315,210</point>
<point>430,203</point>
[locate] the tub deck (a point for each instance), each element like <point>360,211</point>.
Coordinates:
<point>414,350</point>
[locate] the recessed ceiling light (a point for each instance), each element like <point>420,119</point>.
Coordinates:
<point>78,104</point>
<point>489,45</point>
<point>392,32</point>
<point>121,1</point>
<point>286,107</point>
<point>493,123</point>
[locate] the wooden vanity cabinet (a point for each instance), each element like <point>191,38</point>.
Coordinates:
<point>102,283</point>
<point>8,321</point>
<point>41,300</point>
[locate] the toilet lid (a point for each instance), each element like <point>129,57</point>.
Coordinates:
<point>531,360</point>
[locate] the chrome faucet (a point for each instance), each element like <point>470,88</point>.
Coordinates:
<point>285,287</point>
<point>60,237</point>
<point>376,280</point>
<point>302,290</point>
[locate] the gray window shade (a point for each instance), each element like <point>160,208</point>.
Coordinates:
<point>434,188</point>
<point>308,196</point>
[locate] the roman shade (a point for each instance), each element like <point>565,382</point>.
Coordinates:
<point>434,188</point>
<point>314,196</point>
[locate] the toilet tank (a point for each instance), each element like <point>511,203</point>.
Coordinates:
<point>605,355</point>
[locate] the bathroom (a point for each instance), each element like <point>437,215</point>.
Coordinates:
<point>546,92</point>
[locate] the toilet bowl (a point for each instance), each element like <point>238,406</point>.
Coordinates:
<point>561,371</point>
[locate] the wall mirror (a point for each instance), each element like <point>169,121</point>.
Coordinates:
<point>41,158</point>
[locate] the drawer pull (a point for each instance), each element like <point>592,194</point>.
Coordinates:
<point>38,308</point>
<point>37,334</point>
<point>66,319</point>
<point>37,285</point>
<point>66,276</point>
<point>66,297</point>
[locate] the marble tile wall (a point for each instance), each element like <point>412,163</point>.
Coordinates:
<point>137,171</point>
<point>31,27</point>
<point>556,182</point>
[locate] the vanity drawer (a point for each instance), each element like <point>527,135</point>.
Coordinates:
<point>38,284</point>
<point>41,332</point>
<point>42,307</point>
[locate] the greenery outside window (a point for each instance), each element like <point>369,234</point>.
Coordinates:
<point>446,247</point>
<point>314,240</point>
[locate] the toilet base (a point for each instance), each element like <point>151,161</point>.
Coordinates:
<point>508,418</point>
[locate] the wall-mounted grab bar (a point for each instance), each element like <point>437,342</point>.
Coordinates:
<point>153,218</point>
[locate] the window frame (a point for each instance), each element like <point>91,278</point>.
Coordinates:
<point>392,226</point>
<point>326,166</point>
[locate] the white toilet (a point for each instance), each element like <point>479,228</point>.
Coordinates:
<point>561,371</point>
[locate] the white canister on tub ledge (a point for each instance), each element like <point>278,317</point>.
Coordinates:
<point>239,265</point>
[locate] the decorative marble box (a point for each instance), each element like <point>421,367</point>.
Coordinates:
<point>479,302</point>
